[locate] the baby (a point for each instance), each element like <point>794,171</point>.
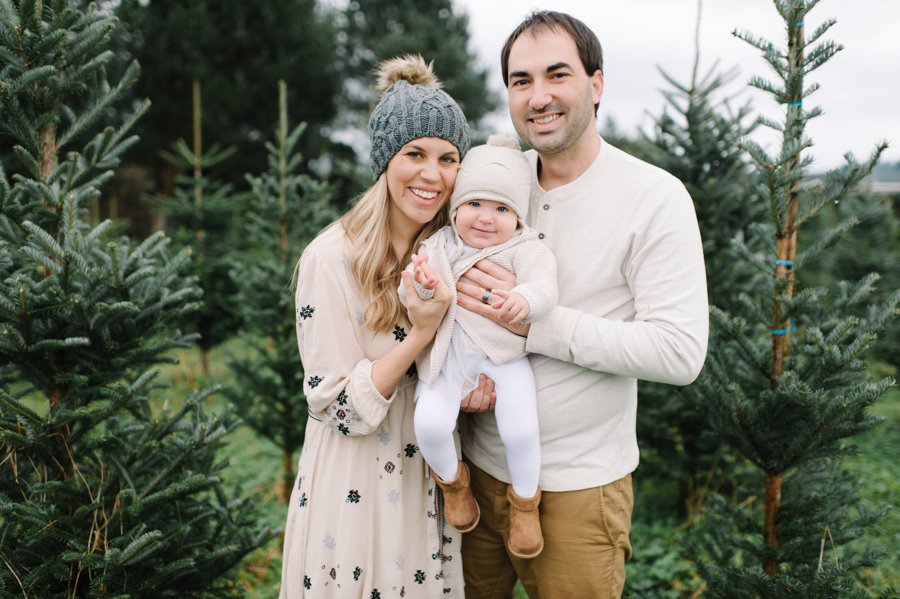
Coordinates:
<point>487,212</point>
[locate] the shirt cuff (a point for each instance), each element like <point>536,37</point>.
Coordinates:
<point>552,335</point>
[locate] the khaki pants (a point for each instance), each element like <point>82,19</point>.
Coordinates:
<point>585,543</point>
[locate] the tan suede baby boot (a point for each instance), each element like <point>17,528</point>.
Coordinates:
<point>460,507</point>
<point>525,538</point>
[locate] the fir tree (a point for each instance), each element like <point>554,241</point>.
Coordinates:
<point>370,31</point>
<point>238,51</point>
<point>100,496</point>
<point>202,212</point>
<point>287,210</point>
<point>788,408</point>
<point>697,139</point>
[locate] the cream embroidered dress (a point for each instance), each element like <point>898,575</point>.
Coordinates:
<point>364,521</point>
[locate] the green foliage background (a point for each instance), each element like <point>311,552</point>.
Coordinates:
<point>238,51</point>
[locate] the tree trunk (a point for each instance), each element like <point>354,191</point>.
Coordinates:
<point>786,253</point>
<point>288,480</point>
<point>49,150</point>
<point>770,533</point>
<point>204,360</point>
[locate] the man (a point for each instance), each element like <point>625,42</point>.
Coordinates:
<point>632,305</point>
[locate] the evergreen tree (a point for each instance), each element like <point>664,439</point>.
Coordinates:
<point>288,209</point>
<point>697,139</point>
<point>873,244</point>
<point>788,408</point>
<point>100,496</point>
<point>369,31</point>
<point>238,51</point>
<point>203,212</point>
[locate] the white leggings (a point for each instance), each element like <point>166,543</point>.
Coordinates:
<point>516,412</point>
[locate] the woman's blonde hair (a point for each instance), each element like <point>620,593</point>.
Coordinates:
<point>374,264</point>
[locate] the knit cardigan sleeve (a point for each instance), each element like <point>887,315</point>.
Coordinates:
<point>338,375</point>
<point>535,269</point>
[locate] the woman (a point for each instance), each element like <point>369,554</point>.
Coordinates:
<point>364,519</point>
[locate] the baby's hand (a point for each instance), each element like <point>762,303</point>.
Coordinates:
<point>513,307</point>
<point>424,274</point>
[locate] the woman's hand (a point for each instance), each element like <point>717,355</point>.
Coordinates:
<point>426,315</point>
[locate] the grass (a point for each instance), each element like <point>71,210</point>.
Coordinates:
<point>876,465</point>
<point>255,465</point>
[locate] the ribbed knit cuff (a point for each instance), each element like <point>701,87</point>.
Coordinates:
<point>425,294</point>
<point>552,335</point>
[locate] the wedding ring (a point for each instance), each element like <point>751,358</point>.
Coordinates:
<point>486,296</point>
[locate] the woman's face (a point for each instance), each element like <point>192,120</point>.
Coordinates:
<point>420,179</point>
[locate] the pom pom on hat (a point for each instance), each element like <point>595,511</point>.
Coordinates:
<point>410,68</point>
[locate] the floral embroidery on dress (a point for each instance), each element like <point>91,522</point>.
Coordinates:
<point>389,467</point>
<point>342,397</point>
<point>307,583</point>
<point>411,450</point>
<point>399,333</point>
<point>383,437</point>
<point>340,414</point>
<point>400,562</point>
<point>306,312</point>
<point>356,573</point>
<point>412,371</point>
<point>303,500</point>
<point>360,318</point>
<point>420,577</point>
<point>394,498</point>
<point>314,381</point>
<point>333,574</point>
<point>353,496</point>
<point>343,429</point>
<point>328,541</point>
<point>375,594</point>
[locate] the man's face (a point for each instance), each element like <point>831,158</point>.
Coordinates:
<point>551,97</point>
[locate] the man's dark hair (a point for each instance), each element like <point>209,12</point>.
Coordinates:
<point>589,50</point>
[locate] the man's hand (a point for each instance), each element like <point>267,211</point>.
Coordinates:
<point>487,275</point>
<point>512,307</point>
<point>482,399</point>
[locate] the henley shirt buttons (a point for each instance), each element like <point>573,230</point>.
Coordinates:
<point>540,235</point>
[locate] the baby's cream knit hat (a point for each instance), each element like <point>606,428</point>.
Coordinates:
<point>496,171</point>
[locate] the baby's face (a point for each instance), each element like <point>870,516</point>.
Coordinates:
<point>483,223</point>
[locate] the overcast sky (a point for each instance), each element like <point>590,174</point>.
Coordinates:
<point>860,86</point>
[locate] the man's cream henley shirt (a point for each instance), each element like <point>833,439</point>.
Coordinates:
<point>632,305</point>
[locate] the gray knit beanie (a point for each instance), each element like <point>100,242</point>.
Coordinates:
<point>497,171</point>
<point>412,106</point>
